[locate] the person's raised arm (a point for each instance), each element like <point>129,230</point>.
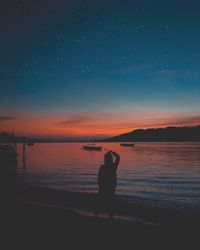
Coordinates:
<point>117,159</point>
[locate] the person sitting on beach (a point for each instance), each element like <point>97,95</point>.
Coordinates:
<point>107,182</point>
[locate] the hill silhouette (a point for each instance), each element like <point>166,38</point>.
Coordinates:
<point>168,134</point>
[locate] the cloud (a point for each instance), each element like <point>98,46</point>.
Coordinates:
<point>187,120</point>
<point>5,118</point>
<point>74,120</point>
<point>113,123</point>
<point>172,119</point>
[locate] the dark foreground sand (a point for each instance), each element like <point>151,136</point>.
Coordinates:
<point>41,218</point>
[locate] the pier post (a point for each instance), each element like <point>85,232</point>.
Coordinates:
<point>24,151</point>
<point>15,148</point>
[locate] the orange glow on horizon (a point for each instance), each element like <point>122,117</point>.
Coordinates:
<point>93,124</point>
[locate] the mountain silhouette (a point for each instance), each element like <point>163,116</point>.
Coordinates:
<point>168,134</point>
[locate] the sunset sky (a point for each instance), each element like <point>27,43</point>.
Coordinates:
<point>98,68</point>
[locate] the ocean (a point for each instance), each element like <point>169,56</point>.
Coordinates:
<point>158,174</point>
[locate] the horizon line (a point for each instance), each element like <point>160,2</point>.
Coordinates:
<point>92,137</point>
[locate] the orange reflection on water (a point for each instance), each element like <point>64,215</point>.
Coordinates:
<point>167,173</point>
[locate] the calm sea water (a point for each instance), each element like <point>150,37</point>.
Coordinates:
<point>163,174</point>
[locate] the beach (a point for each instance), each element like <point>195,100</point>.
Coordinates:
<point>35,219</point>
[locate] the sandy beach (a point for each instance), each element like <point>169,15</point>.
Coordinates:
<point>43,218</point>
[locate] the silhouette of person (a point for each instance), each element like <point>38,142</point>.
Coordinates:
<point>107,182</point>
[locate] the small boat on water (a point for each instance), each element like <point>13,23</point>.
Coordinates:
<point>127,144</point>
<point>92,147</point>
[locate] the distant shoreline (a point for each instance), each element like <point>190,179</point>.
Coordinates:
<point>167,134</point>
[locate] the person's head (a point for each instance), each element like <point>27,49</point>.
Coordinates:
<point>108,158</point>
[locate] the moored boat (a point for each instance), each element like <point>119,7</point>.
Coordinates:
<point>127,144</point>
<point>91,147</point>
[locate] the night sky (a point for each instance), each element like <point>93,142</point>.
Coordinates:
<point>98,68</point>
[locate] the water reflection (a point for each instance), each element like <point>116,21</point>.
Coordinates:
<point>167,173</point>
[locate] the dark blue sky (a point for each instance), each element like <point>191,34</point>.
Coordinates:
<point>74,56</point>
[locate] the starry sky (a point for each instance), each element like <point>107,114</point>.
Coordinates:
<point>98,68</point>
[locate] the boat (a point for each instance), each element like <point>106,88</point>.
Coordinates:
<point>91,148</point>
<point>127,144</point>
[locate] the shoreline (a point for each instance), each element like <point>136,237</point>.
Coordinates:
<point>85,203</point>
<point>46,218</point>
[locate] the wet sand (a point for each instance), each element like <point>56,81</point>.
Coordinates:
<point>41,218</point>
